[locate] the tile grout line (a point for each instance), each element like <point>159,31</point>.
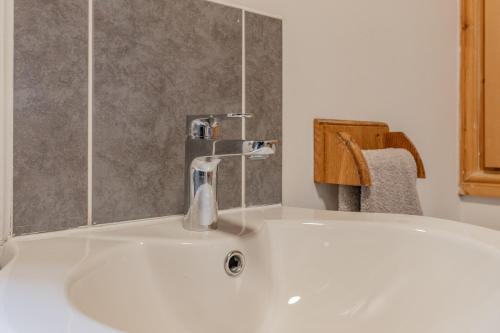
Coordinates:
<point>90,110</point>
<point>243,105</point>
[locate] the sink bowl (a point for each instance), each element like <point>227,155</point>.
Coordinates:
<point>304,271</point>
<point>176,287</point>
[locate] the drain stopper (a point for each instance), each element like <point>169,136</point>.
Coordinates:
<point>234,263</point>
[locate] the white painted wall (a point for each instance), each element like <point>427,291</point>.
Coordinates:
<point>388,60</point>
<point>6,65</point>
<point>2,102</point>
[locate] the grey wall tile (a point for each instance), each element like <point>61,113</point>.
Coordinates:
<point>263,99</point>
<point>157,61</point>
<point>229,183</point>
<point>50,115</point>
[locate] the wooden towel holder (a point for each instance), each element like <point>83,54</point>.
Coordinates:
<point>337,150</point>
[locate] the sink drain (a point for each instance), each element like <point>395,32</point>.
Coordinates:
<point>234,264</point>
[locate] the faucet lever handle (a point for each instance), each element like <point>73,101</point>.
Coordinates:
<point>207,127</point>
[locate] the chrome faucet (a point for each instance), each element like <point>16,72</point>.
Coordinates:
<point>204,152</point>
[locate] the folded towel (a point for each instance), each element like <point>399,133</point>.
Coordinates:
<point>394,190</point>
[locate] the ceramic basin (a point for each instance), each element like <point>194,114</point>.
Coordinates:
<point>305,271</point>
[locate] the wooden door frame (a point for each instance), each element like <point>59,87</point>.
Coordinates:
<point>475,179</point>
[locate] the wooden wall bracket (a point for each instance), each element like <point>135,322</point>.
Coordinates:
<point>338,145</point>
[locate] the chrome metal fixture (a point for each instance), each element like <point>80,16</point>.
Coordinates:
<point>204,152</point>
<point>234,263</point>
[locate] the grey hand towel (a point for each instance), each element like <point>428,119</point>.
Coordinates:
<point>393,190</point>
<point>349,198</point>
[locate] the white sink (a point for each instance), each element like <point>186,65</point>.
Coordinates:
<point>305,271</point>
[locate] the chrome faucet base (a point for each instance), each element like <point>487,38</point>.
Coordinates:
<point>202,213</point>
<point>188,225</point>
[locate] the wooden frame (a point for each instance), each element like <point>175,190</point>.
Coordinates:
<point>475,179</point>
